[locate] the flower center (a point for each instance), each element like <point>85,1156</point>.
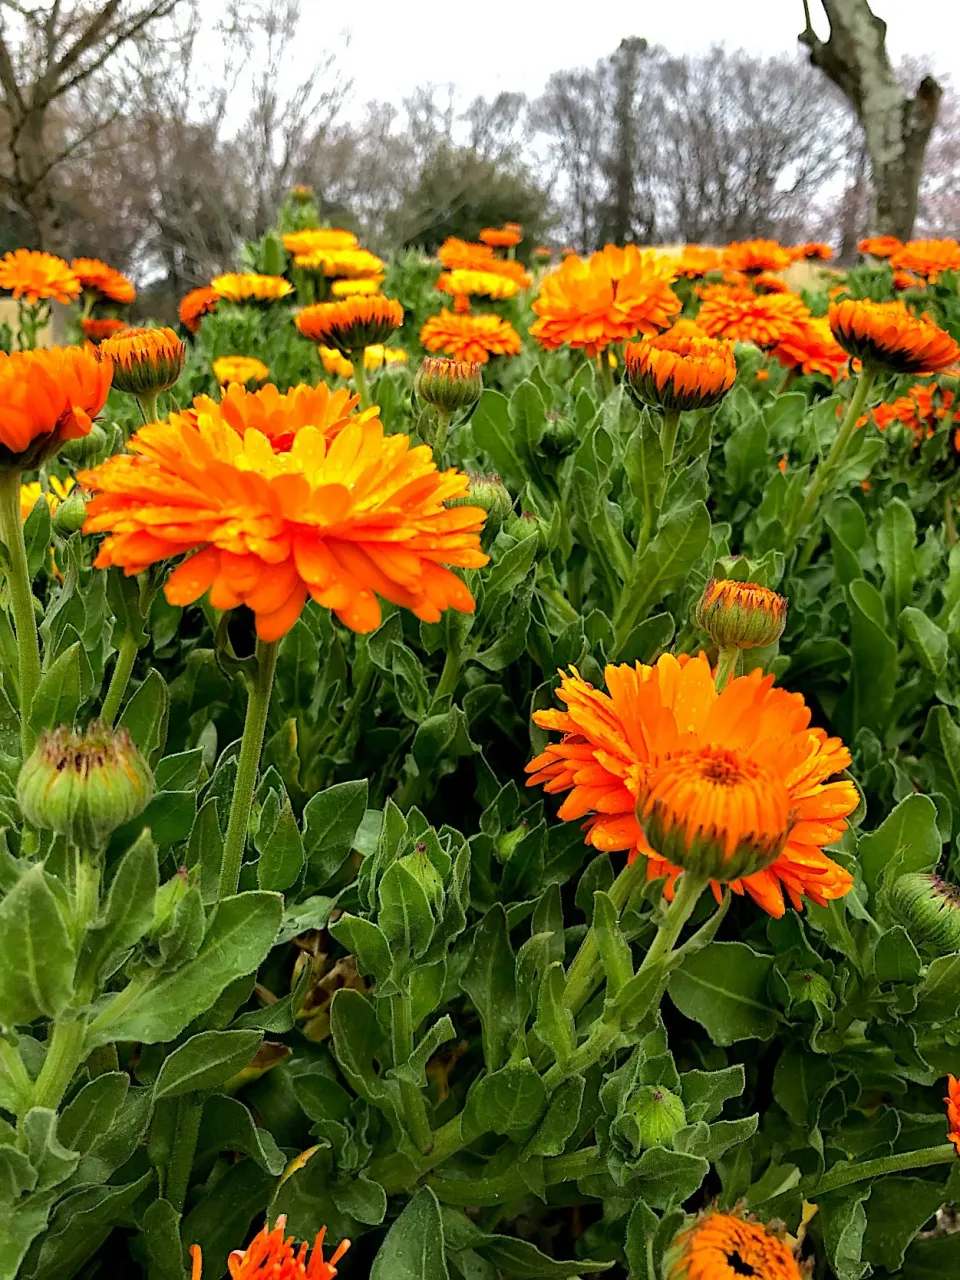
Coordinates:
<point>727,769</point>
<point>738,1266</point>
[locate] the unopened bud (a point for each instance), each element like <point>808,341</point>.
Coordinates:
<point>560,437</point>
<point>741,615</point>
<point>490,494</point>
<point>426,875</point>
<point>929,910</point>
<point>651,1117</point>
<point>145,361</point>
<point>168,895</point>
<point>70,513</point>
<point>449,384</point>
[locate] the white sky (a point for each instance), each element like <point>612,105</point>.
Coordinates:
<point>486,48</point>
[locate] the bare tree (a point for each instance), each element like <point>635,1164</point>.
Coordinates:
<point>896,126</point>
<point>628,211</point>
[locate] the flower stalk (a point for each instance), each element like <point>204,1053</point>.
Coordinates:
<point>21,600</point>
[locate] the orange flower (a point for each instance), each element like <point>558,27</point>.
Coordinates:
<point>35,276</point>
<point>145,361</point>
<point>47,397</point>
<point>353,264</point>
<point>812,348</point>
<point>96,330</point>
<point>741,615</point>
<point>756,255</point>
<point>471,338</point>
<point>697,260</point>
<point>239,369</point>
<point>953,1111</point>
<point>505,237</point>
<point>351,324</point>
<point>927,257</point>
<point>879,246</point>
<point>615,294</point>
<point>542,252</point>
<point>342,520</point>
<point>886,334</point>
<point>464,255</point>
<point>903,280</point>
<point>247,286</point>
<point>108,283</point>
<point>315,239</point>
<point>762,375</point>
<point>195,305</point>
<point>810,252</point>
<point>767,282</point>
<point>271,1257</point>
<point>463,283</point>
<point>745,762</point>
<point>916,411</point>
<point>726,1246</point>
<point>680,370</point>
<point>280,415</point>
<point>743,317</point>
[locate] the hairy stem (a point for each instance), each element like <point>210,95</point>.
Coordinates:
<point>126,657</point>
<point>21,601</point>
<point>401,1036</point>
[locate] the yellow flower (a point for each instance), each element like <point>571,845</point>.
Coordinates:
<point>351,263</point>
<point>315,239</point>
<point>356,288</point>
<point>247,286</point>
<point>242,369</point>
<point>489,284</point>
<point>30,494</point>
<point>373,357</point>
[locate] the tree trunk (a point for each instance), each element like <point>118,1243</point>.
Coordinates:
<point>896,127</point>
<point>33,183</point>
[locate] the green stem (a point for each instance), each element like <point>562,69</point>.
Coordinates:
<point>787,383</point>
<point>726,665</point>
<point>12,1066</point>
<point>668,434</point>
<point>86,899</point>
<point>440,434</point>
<point>686,896</point>
<point>147,400</point>
<point>949,523</point>
<point>189,1114</point>
<point>401,1036</point>
<point>251,745</point>
<point>584,974</point>
<point>21,600</point>
<point>559,601</point>
<point>65,1052</point>
<point>360,378</point>
<point>126,657</point>
<point>825,473</point>
<point>448,676</point>
<point>504,1187</point>
<point>844,1175</point>
<point>604,375</point>
<point>393,1171</point>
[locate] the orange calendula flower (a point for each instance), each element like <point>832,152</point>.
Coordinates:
<point>107,282</point>
<point>271,1257</point>
<point>762,375</point>
<point>195,305</point>
<point>38,277</point>
<point>464,255</point>
<point>318,239</point>
<point>351,324</point>
<point>247,286</point>
<point>96,331</point>
<point>767,282</point>
<point>888,336</point>
<point>741,615</point>
<point>615,294</point>
<point>756,255</point>
<point>471,338</point>
<point>145,361</point>
<point>927,258</point>
<point>240,369</point>
<point>505,237</point>
<point>352,264</point>
<point>953,1111</point>
<point>879,246</point>
<point>30,494</point>
<point>917,410</point>
<point>765,320</point>
<point>341,520</point>
<point>486,283</point>
<point>812,348</point>
<point>47,397</point>
<point>697,260</point>
<point>726,1246</point>
<point>812,251</point>
<point>735,778</point>
<point>449,384</point>
<point>279,415</point>
<point>542,252</point>
<point>374,358</point>
<point>680,370</point>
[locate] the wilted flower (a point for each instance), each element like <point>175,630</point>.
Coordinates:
<point>888,336</point>
<point>470,338</point>
<point>37,277</point>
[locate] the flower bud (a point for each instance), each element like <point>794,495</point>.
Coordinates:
<point>489,493</point>
<point>84,785</point>
<point>741,615</point>
<point>929,910</point>
<point>449,384</point>
<point>145,361</point>
<point>651,1117</point>
<point>165,903</point>
<point>560,436</point>
<point>427,877</point>
<point>88,449</point>
<point>71,513</point>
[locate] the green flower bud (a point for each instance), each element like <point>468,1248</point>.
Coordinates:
<point>651,1117</point>
<point>929,910</point>
<point>71,513</point>
<point>560,436</point>
<point>165,903</point>
<point>88,449</point>
<point>449,384</point>
<point>427,877</point>
<point>84,785</point>
<point>741,615</point>
<point>489,493</point>
<point>523,526</point>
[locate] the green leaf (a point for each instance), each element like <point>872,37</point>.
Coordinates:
<point>37,958</point>
<point>93,1111</point>
<point>930,645</point>
<point>205,1061</point>
<point>907,840</point>
<point>560,1121</point>
<point>160,1229</point>
<point>414,1247</point>
<point>361,1198</point>
<point>669,558</point>
<point>493,432</point>
<point>746,454</point>
<point>555,1025</point>
<point>147,715</point>
<point>528,416</point>
<point>227,1126</point>
<point>933,1259</point>
<point>81,1224</point>
<point>358,1043</point>
<point>51,1161</point>
<point>895,958</point>
<point>800,1083</point>
<point>938,996</point>
<point>614,949</point>
<point>520,1258</point>
<point>223,1216</point>
<point>724,988</point>
<point>843,1221</point>
<point>239,936</point>
<point>490,982</point>
<point>705,1092</point>
<point>405,918</point>
<point>667,1177</point>
<point>280,847</point>
<point>367,943</point>
<point>128,912</point>
<point>60,691</point>
<point>873,671</point>
<point>510,1102</point>
<point>643,465</point>
<point>330,822</point>
<point>896,537</point>
<point>37,536</point>
<point>896,1210</point>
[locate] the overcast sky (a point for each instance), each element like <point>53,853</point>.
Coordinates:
<point>485,48</point>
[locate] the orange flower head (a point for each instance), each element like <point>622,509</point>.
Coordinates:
<point>364,287</point>
<point>103,280</point>
<point>614,295</point>
<point>471,338</point>
<point>96,331</point>
<point>904,280</point>
<point>145,361</point>
<point>489,284</point>
<point>728,1246</point>
<point>316,239</point>
<point>505,237</point>
<point>887,335</point>
<point>351,324</point>
<point>279,415</point>
<point>929,258</point>
<point>741,615</point>
<point>813,251</point>
<point>953,1111</point>
<point>680,370</point>
<point>450,385</point>
<point>241,369</point>
<point>301,193</point>
<point>269,1256</point>
<point>38,277</point>
<point>812,348</point>
<point>247,286</point>
<point>879,246</point>
<point>697,260</point>
<point>349,264</point>
<point>756,255</point>
<point>543,253</point>
<point>765,320</point>
<point>195,305</point>
<point>463,255</point>
<point>916,411</point>
<point>767,282</point>
<point>46,398</point>
<point>342,520</point>
<point>727,780</point>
